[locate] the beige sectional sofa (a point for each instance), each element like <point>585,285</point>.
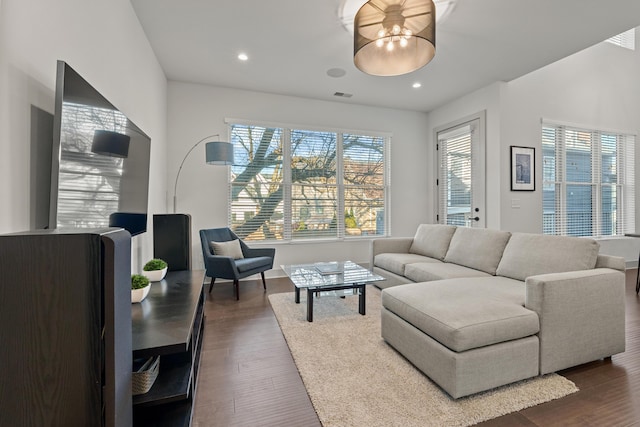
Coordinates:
<point>475,309</point>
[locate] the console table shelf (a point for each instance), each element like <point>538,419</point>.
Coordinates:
<point>169,323</point>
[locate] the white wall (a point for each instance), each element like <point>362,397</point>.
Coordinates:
<point>597,88</point>
<point>104,42</point>
<point>196,111</point>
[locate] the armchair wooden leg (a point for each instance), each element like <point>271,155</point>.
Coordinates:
<point>213,279</point>
<point>264,283</point>
<point>236,289</point>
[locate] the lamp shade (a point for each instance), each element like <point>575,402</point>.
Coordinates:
<point>110,143</point>
<point>394,37</point>
<point>219,153</point>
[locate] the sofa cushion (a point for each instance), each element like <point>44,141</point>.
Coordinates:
<point>396,263</point>
<point>429,271</point>
<point>467,313</point>
<point>479,248</point>
<point>246,264</point>
<point>532,254</point>
<point>432,240</point>
<point>390,279</point>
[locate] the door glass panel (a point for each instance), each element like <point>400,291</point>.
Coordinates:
<point>460,197</point>
<point>458,180</point>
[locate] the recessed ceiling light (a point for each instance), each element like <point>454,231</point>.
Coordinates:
<point>243,57</point>
<point>416,85</point>
<point>336,72</point>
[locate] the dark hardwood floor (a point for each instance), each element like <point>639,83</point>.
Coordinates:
<point>248,377</point>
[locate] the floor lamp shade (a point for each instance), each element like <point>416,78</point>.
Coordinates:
<point>219,153</point>
<point>394,37</point>
<point>110,143</point>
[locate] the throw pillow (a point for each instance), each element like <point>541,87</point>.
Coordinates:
<point>231,249</point>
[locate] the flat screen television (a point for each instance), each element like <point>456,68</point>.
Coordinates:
<point>100,160</point>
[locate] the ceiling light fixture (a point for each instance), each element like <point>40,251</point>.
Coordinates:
<point>394,37</point>
<point>417,85</point>
<point>243,57</point>
<point>348,9</point>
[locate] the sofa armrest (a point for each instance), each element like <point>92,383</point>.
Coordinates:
<point>389,245</point>
<point>581,316</point>
<point>610,261</point>
<point>255,252</point>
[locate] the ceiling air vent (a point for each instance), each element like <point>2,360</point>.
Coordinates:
<point>343,95</point>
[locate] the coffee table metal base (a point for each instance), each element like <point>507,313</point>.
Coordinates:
<point>312,290</point>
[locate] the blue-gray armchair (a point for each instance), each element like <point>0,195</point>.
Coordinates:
<point>227,257</point>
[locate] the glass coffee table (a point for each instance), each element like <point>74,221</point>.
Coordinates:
<point>329,276</point>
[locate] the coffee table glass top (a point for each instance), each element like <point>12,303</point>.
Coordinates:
<point>328,274</point>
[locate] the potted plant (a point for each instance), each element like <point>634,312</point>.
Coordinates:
<point>155,269</point>
<point>140,287</point>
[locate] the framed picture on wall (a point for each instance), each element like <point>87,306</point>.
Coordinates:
<point>523,169</point>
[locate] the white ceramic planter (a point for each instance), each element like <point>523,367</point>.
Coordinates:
<point>137,295</point>
<point>155,275</point>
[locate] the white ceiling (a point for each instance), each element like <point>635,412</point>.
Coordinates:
<point>292,43</point>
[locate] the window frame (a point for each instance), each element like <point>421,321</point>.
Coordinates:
<point>624,185</point>
<point>286,181</point>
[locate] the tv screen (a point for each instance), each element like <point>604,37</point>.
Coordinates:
<point>100,161</point>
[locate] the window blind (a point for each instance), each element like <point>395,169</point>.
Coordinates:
<point>256,206</point>
<point>588,182</point>
<point>454,180</point>
<point>314,191</point>
<point>365,181</point>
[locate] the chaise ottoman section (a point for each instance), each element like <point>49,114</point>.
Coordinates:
<point>462,373</point>
<point>476,330</point>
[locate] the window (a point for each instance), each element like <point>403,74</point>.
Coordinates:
<point>588,182</point>
<point>294,184</point>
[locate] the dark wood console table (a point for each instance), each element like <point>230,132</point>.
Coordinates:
<point>169,323</point>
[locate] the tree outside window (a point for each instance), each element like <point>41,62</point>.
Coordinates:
<point>292,184</point>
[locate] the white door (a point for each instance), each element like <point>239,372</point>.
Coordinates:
<point>461,173</point>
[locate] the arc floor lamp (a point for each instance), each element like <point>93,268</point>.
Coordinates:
<point>216,153</point>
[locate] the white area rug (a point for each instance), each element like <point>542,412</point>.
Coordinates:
<point>354,378</point>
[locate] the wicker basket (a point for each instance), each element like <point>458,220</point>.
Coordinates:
<point>144,377</point>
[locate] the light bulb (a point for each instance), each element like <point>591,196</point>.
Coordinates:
<point>381,33</point>
<point>407,33</point>
<point>396,29</point>
<point>390,46</point>
<point>403,42</point>
<point>380,42</point>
